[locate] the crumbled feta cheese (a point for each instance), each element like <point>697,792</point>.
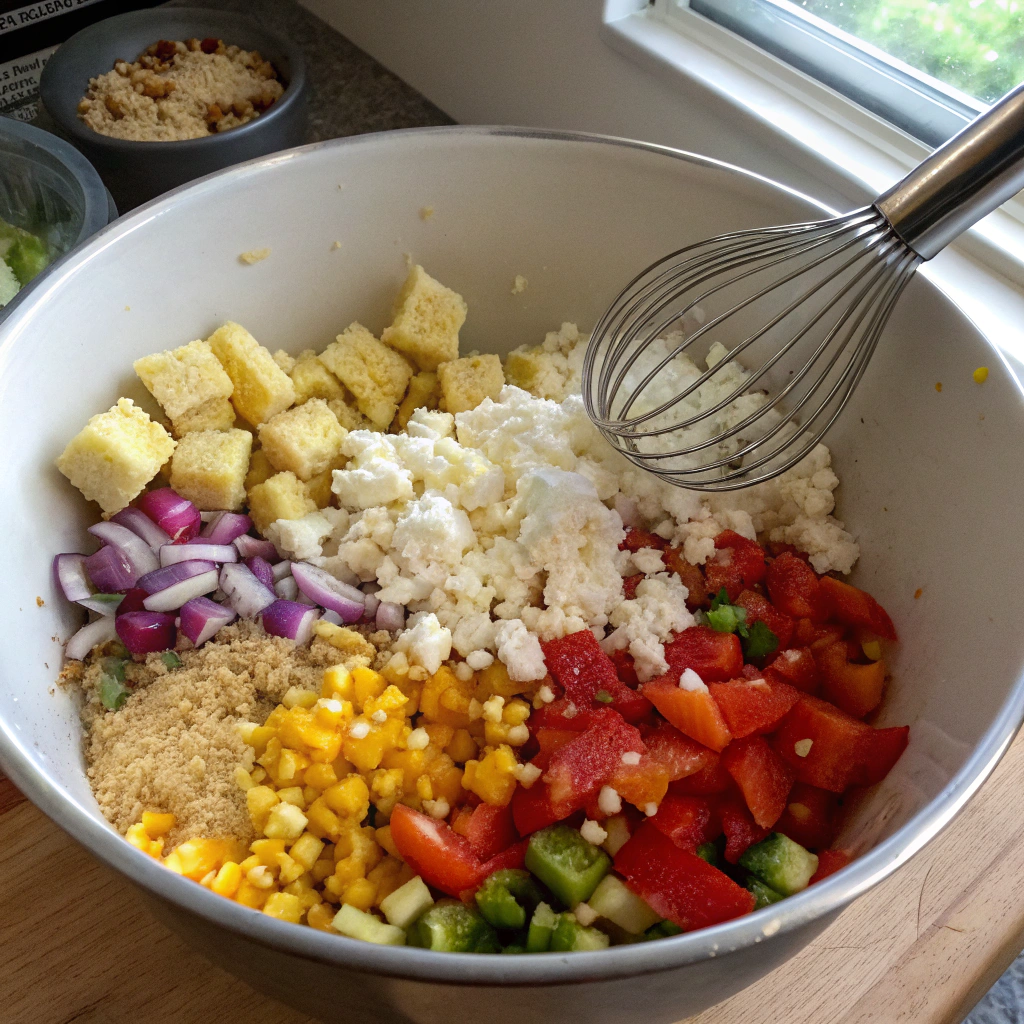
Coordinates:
<point>650,809</point>
<point>359,730</point>
<point>519,651</point>
<point>689,680</point>
<point>546,694</point>
<point>427,643</point>
<point>431,425</point>
<point>593,833</point>
<point>437,808</point>
<point>463,671</point>
<point>630,757</point>
<point>476,710</point>
<point>649,561</point>
<point>478,660</point>
<point>527,774</point>
<point>518,735</point>
<point>492,708</point>
<point>802,747</point>
<point>571,711</point>
<point>300,539</point>
<point>380,717</point>
<point>419,739</point>
<point>608,801</point>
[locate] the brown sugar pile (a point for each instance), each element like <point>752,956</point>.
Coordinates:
<point>175,746</point>
<point>179,90</point>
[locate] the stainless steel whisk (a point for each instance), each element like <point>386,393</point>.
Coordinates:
<point>808,303</point>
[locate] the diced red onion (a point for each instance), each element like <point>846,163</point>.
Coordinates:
<point>390,616</point>
<point>110,570</point>
<point>323,589</point>
<point>103,604</point>
<point>245,593</point>
<point>173,597</point>
<point>304,598</point>
<point>172,553</point>
<point>208,516</point>
<point>142,526</point>
<point>139,553</point>
<point>332,617</point>
<point>281,570</point>
<point>202,619</point>
<point>166,577</point>
<point>98,632</point>
<point>291,620</point>
<point>225,527</point>
<point>133,601</point>
<point>370,607</point>
<point>287,588</point>
<point>249,546</point>
<point>261,569</point>
<point>143,632</point>
<point>69,569</point>
<point>175,515</point>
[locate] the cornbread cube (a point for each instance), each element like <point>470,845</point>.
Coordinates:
<point>115,455</point>
<point>261,389</point>
<point>424,393</point>
<point>313,380</point>
<point>465,383</point>
<point>216,414</point>
<point>260,469</point>
<point>305,439</point>
<point>319,487</point>
<point>282,496</point>
<point>427,321</point>
<point>184,378</point>
<point>532,370</point>
<point>348,415</point>
<point>284,360</point>
<point>374,373</point>
<point>209,468</point>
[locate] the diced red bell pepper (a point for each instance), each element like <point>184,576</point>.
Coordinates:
<point>490,830</point>
<point>625,667</point>
<point>760,609</point>
<point>829,862</point>
<point>513,856</point>
<point>808,817</point>
<point>808,633</point>
<point>797,667</point>
<point>741,831</point>
<point>684,819</point>
<point>442,857</point>
<point>857,689</point>
<point>636,539</point>
<point>693,712</point>
<point>680,755</point>
<point>719,576</point>
<point>856,607</point>
<point>763,777</point>
<point>795,589</point>
<point>578,770</point>
<point>747,555</point>
<point>563,714</point>
<point>836,740</point>
<point>712,655</point>
<point>460,820</point>
<point>641,784</point>
<point>690,575</point>
<point>878,750</point>
<point>752,706</point>
<point>532,808</point>
<point>629,585</point>
<point>550,741</point>
<point>677,884</point>
<point>582,669</point>
<point>710,780</point>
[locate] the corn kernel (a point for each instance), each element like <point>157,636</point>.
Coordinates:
<point>323,822</point>
<point>139,838</point>
<point>349,798</point>
<point>289,870</point>
<point>306,850</point>
<point>320,776</point>
<point>494,680</point>
<point>360,894</point>
<point>267,851</point>
<point>157,824</point>
<point>285,821</point>
<point>292,795</point>
<point>462,746</point>
<point>440,734</point>
<point>367,752</point>
<point>249,863</point>
<point>337,684</point>
<point>492,778</point>
<point>320,917</point>
<point>250,895</point>
<point>383,838</point>
<point>258,737</point>
<point>243,780</point>
<point>412,762</point>
<point>258,775</point>
<point>260,877</point>
<point>515,712</point>
<point>366,684</point>
<point>198,857</point>
<point>331,712</point>
<point>391,701</point>
<point>284,907</point>
<point>492,708</point>
<point>173,862</point>
<point>387,788</point>
<point>424,788</point>
<point>495,733</point>
<point>417,739</point>
<point>207,880</point>
<point>518,735</point>
<point>227,880</point>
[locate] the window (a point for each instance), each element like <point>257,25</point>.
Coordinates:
<point>928,66</point>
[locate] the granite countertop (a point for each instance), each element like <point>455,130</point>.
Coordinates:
<point>349,94</point>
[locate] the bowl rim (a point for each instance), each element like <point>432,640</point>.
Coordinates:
<point>49,88</point>
<point>820,901</point>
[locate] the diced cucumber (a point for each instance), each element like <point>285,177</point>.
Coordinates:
<point>617,828</point>
<point>570,936</point>
<point>620,905</point>
<point>780,863</point>
<point>566,863</point>
<point>508,898</point>
<point>764,895</point>
<point>513,949</point>
<point>357,924</point>
<point>407,902</point>
<point>27,257</point>
<point>663,930</point>
<point>708,852</point>
<point>452,927</point>
<point>9,284</point>
<point>542,924</point>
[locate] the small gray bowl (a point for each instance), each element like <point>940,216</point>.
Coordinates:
<point>137,171</point>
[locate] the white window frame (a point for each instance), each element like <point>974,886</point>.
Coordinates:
<point>860,151</point>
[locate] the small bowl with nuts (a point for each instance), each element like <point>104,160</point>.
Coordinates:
<point>159,97</point>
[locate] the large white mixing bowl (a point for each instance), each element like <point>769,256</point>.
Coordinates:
<point>927,487</point>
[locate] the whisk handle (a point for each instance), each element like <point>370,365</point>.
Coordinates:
<point>969,176</point>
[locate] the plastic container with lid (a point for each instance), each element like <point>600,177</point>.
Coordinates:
<point>48,188</point>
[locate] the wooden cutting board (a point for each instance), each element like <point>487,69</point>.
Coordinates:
<point>924,946</point>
